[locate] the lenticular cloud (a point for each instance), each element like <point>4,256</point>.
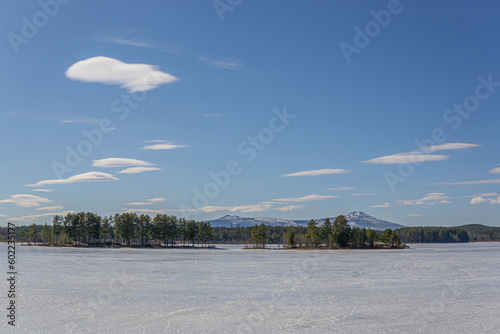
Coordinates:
<point>109,71</point>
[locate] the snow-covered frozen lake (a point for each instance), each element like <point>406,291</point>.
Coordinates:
<point>434,288</point>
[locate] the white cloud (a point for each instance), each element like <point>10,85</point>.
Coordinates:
<point>109,71</point>
<point>449,146</point>
<point>26,201</point>
<point>385,205</point>
<point>136,170</point>
<point>156,199</point>
<point>317,172</point>
<point>44,190</point>
<point>307,198</point>
<point>403,158</point>
<point>364,194</point>
<point>412,215</point>
<point>421,155</point>
<point>290,208</point>
<point>491,198</point>
<point>2,215</point>
<point>140,203</point>
<point>162,145</point>
<point>225,64</point>
<point>212,115</point>
<point>342,188</point>
<point>429,199</point>
<point>239,208</point>
<point>85,177</point>
<point>470,183</point>
<point>119,162</point>
<point>495,170</point>
<point>31,218</point>
<point>50,208</point>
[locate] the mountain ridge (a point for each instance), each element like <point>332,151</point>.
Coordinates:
<point>355,219</point>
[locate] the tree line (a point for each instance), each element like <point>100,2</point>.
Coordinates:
<point>432,234</point>
<point>125,229</point>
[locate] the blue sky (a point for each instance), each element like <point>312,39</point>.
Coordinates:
<point>288,109</point>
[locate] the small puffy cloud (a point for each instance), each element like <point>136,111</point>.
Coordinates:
<point>491,198</point>
<point>161,145</point>
<point>156,199</point>
<point>31,218</point>
<point>109,71</point>
<point>119,162</point>
<point>140,203</point>
<point>470,183</point>
<point>26,201</point>
<point>136,170</point>
<point>342,188</point>
<point>85,177</point>
<point>225,64</point>
<point>50,208</point>
<point>385,205</point>
<point>495,171</point>
<point>429,199</point>
<point>404,158</point>
<point>317,172</point>
<point>307,198</point>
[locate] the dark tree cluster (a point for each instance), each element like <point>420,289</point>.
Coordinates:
<point>126,229</point>
<point>432,234</point>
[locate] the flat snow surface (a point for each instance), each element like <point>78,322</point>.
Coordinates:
<point>433,288</point>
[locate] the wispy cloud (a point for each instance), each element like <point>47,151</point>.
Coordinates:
<point>385,205</point>
<point>156,199</point>
<point>342,188</point>
<point>429,199</point>
<point>150,211</point>
<point>470,183</point>
<point>449,146</point>
<point>317,172</point>
<point>44,190</point>
<point>137,170</point>
<point>225,64</point>
<point>495,170</point>
<point>140,203</point>
<point>413,215</point>
<point>260,207</point>
<point>422,155</point>
<point>26,201</point>
<point>119,162</point>
<point>212,115</point>
<point>50,208</point>
<point>404,158</point>
<point>141,43</point>
<point>85,177</point>
<point>31,218</point>
<point>307,198</point>
<point>162,145</point>
<point>2,215</point>
<point>109,71</point>
<point>364,194</point>
<point>290,208</point>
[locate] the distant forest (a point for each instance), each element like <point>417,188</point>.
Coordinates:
<point>132,230</point>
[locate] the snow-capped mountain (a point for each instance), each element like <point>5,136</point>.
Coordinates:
<point>357,218</point>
